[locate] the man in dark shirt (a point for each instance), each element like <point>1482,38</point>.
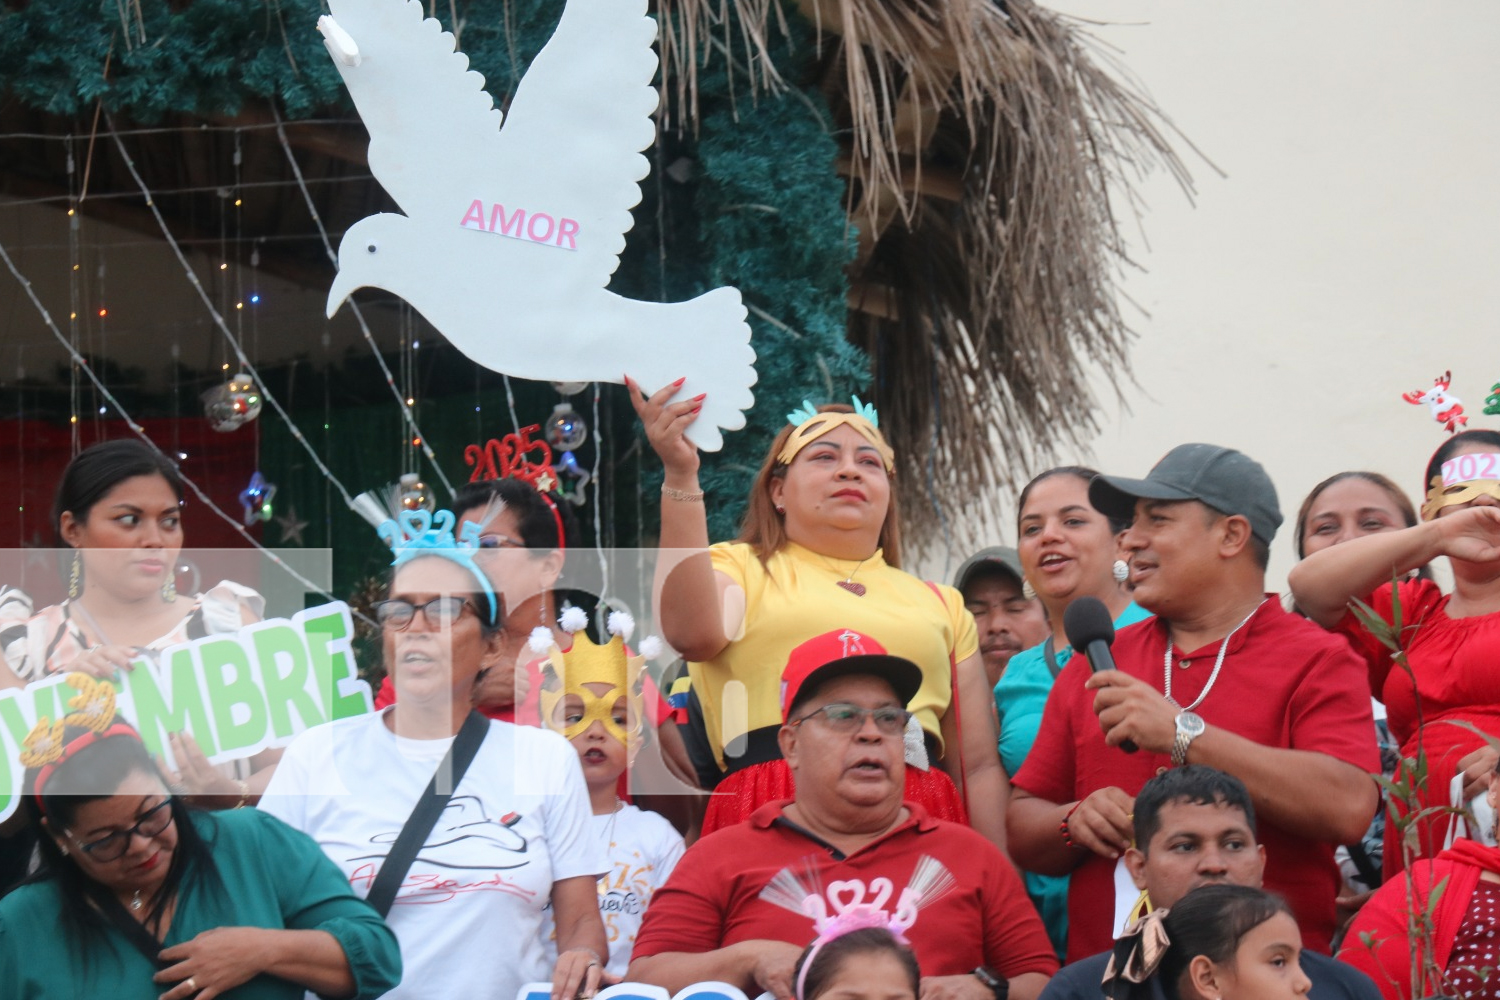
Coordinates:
<point>1195,826</point>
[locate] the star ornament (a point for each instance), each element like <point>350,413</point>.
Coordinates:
<point>256,499</point>
<point>291,527</point>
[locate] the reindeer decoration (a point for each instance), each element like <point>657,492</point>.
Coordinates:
<point>1446,408</point>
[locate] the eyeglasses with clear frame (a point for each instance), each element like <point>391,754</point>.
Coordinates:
<point>113,847</point>
<point>847,719</point>
<point>493,540</point>
<point>440,612</point>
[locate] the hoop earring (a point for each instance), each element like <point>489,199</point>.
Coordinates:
<point>1027,590</point>
<point>169,587</point>
<point>1120,571</point>
<point>75,577</point>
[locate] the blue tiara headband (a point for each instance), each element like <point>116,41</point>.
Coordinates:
<point>413,534</point>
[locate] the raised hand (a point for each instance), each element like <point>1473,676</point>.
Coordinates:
<point>1471,534</point>
<point>665,425</point>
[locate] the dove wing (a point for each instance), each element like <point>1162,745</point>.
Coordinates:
<point>581,116</point>
<point>432,125</point>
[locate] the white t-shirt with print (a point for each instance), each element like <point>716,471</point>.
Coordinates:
<point>642,848</point>
<point>469,914</point>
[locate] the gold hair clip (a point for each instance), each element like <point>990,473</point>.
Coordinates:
<point>94,703</point>
<point>44,744</point>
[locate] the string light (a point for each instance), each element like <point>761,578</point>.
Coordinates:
<point>255,299</point>
<point>364,327</point>
<point>103,313</point>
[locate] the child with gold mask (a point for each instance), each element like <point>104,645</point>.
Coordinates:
<point>591,695</point>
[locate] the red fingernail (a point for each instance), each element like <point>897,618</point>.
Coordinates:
<point>696,409</point>
<point>679,381</point>
<point>700,397</point>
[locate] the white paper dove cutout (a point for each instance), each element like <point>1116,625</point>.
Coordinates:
<point>511,234</point>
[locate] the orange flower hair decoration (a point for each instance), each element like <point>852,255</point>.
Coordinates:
<point>93,705</point>
<point>44,744</point>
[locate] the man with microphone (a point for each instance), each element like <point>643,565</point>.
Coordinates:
<point>1221,676</point>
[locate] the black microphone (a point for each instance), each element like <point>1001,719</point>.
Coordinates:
<point>1090,630</point>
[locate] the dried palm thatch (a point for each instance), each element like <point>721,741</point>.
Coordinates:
<point>986,142</point>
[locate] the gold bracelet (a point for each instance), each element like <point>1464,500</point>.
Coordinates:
<point>683,495</point>
<point>244,793</point>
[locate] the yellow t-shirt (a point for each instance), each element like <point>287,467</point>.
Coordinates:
<point>796,596</point>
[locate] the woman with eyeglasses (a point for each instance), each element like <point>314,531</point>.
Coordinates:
<point>819,549</point>
<point>467,900</point>
<point>523,542</point>
<point>137,896</point>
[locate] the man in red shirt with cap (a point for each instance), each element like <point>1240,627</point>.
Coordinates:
<point>1221,676</point>
<point>843,702</point>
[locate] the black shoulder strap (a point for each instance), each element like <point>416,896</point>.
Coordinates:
<point>424,815</point>
<point>130,928</point>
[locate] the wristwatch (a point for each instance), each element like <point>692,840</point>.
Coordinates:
<point>1190,726</point>
<point>998,984</point>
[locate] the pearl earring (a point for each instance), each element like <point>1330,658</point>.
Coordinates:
<point>1120,571</point>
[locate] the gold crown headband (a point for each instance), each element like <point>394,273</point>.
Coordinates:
<point>586,663</point>
<point>811,425</point>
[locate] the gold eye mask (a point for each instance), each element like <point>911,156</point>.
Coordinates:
<point>596,708</point>
<point>583,664</point>
<point>1463,479</point>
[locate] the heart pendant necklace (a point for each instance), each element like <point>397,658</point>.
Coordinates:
<point>857,589</point>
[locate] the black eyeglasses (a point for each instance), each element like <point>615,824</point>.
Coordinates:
<point>440,612</point>
<point>849,719</point>
<point>113,847</point>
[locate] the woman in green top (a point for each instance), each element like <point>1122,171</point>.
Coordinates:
<point>138,896</point>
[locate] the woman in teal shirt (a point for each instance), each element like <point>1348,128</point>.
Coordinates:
<point>1068,550</point>
<point>139,897</point>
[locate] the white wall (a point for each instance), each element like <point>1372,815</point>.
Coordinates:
<point>1346,257</point>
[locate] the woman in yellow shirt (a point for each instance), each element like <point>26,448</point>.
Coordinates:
<point>819,550</point>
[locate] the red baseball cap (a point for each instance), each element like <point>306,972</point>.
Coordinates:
<point>838,654</point>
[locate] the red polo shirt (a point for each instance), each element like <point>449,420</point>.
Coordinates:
<point>1285,683</point>
<point>712,898</point>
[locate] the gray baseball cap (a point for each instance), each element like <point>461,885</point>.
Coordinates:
<point>1229,481</point>
<point>996,559</point>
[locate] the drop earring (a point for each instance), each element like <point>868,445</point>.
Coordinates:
<point>75,577</point>
<point>169,586</point>
<point>1027,590</point>
<point>1120,571</point>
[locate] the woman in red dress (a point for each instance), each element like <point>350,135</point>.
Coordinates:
<point>1450,696</point>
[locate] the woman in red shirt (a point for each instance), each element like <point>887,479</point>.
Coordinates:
<point>1450,642</point>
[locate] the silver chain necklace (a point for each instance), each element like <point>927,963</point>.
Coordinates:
<point>1166,664</point>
